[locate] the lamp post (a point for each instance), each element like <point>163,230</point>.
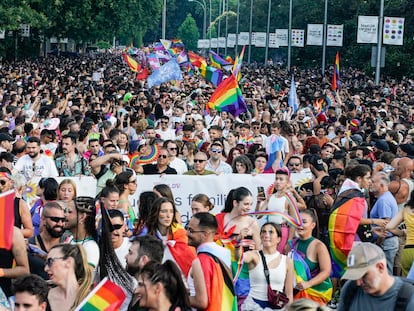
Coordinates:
<point>325,30</point>
<point>203,5</point>
<point>237,27</point>
<point>164,18</point>
<point>289,35</point>
<point>250,30</point>
<point>267,31</point>
<point>379,46</point>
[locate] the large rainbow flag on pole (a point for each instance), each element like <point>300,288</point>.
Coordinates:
<point>6,219</point>
<point>228,97</point>
<point>336,82</point>
<point>106,296</point>
<point>133,65</point>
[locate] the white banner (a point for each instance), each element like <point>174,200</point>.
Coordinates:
<point>393,30</point>
<point>2,33</point>
<point>260,39</point>
<point>367,29</point>
<point>315,34</point>
<point>222,42</point>
<point>298,37</point>
<point>282,37</point>
<point>214,42</point>
<point>335,35</point>
<point>273,40</point>
<point>243,38</point>
<point>253,41</point>
<point>25,30</point>
<point>231,40</point>
<point>215,187</point>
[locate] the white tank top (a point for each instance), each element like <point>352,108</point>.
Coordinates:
<point>276,204</point>
<point>410,183</point>
<point>258,284</point>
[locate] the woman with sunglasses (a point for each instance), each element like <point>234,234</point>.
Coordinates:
<point>120,243</point>
<point>285,199</point>
<point>160,288</point>
<point>126,182</point>
<point>312,255</point>
<point>162,224</point>
<point>68,270</point>
<point>280,268</point>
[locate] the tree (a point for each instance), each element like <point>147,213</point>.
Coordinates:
<point>188,32</point>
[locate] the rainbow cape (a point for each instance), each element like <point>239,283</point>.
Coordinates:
<point>178,246</point>
<point>346,214</point>
<point>6,219</point>
<point>321,293</point>
<point>220,289</point>
<point>228,97</point>
<point>336,82</point>
<point>133,65</point>
<point>105,296</point>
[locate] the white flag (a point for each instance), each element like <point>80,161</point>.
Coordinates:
<point>393,30</point>
<point>367,29</point>
<point>315,34</point>
<point>335,35</point>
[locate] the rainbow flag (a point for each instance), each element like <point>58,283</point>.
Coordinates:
<point>228,97</point>
<point>217,61</point>
<point>195,59</point>
<point>6,219</point>
<point>343,224</point>
<point>133,65</point>
<point>106,296</point>
<point>220,289</point>
<point>211,74</point>
<point>237,64</point>
<point>336,82</point>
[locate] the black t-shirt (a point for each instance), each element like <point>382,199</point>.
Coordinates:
<point>152,169</point>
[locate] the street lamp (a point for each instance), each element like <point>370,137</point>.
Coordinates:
<point>164,18</point>
<point>204,6</point>
<point>268,31</point>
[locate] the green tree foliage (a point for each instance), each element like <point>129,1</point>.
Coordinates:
<point>188,32</point>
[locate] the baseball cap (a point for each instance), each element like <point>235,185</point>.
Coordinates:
<point>381,144</point>
<point>362,256</point>
<point>5,136</point>
<point>317,162</point>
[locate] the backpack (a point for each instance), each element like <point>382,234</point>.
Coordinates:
<point>403,297</point>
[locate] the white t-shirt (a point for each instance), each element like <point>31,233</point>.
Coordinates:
<point>43,167</point>
<point>179,165</point>
<point>169,134</point>
<point>122,251</point>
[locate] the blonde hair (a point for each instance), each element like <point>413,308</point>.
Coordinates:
<point>67,181</point>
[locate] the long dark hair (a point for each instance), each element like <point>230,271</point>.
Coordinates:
<point>152,223</point>
<point>237,195</point>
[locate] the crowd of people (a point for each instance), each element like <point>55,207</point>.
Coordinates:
<point>72,117</point>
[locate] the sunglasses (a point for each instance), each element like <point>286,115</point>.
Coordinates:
<point>117,226</point>
<point>49,262</point>
<point>56,219</point>
<point>175,148</point>
<point>3,182</point>
<point>164,122</point>
<point>294,164</point>
<point>164,156</point>
<point>199,161</point>
<point>215,150</point>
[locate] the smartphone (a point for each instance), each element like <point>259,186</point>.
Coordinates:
<point>261,192</point>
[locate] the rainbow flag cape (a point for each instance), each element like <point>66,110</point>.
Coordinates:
<point>106,296</point>
<point>346,214</point>
<point>321,293</point>
<point>273,145</point>
<point>336,82</point>
<point>228,97</point>
<point>133,65</point>
<point>6,219</point>
<point>220,288</point>
<point>211,74</point>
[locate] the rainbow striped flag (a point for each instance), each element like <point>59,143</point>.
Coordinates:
<point>228,97</point>
<point>211,74</point>
<point>336,82</point>
<point>133,65</point>
<point>217,61</point>
<point>195,59</point>
<point>6,219</point>
<point>346,214</point>
<point>106,296</point>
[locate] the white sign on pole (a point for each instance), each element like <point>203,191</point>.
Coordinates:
<point>260,39</point>
<point>253,40</point>
<point>315,34</point>
<point>222,42</point>
<point>393,30</point>
<point>214,42</point>
<point>243,38</point>
<point>335,35</point>
<point>298,37</point>
<point>367,29</point>
<point>231,40</point>
<point>25,30</point>
<point>2,33</point>
<point>273,40</point>
<point>282,37</point>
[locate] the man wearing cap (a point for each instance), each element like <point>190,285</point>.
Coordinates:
<point>6,142</point>
<point>371,287</point>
